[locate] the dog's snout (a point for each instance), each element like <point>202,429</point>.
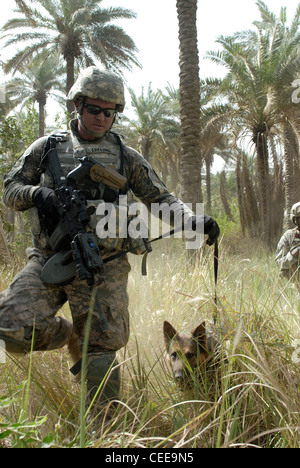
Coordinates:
<point>178,378</point>
<point>178,374</point>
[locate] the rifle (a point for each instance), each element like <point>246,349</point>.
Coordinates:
<point>77,251</point>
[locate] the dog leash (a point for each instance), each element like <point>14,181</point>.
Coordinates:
<point>121,254</point>
<point>163,236</point>
<point>216,269</point>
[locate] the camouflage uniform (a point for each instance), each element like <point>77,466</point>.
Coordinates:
<point>288,245</point>
<point>29,305</point>
<point>28,301</point>
<point>283,257</point>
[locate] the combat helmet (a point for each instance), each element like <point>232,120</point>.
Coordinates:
<point>295,212</point>
<point>99,84</point>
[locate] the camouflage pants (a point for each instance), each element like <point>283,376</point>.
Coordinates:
<point>29,305</point>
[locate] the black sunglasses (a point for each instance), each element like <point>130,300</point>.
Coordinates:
<point>95,110</point>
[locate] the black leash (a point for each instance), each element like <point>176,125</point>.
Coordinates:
<point>216,268</point>
<point>121,254</point>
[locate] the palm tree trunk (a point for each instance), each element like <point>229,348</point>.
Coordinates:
<point>288,138</point>
<point>191,161</point>
<point>70,80</point>
<point>224,197</point>
<point>41,98</point>
<point>240,193</point>
<point>263,185</point>
<point>41,119</point>
<point>250,205</point>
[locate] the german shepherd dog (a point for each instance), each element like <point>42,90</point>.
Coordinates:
<point>189,353</point>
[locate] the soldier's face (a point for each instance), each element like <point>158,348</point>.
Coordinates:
<point>97,122</point>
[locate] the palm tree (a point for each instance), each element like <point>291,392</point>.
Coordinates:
<point>213,138</point>
<point>38,81</point>
<point>154,130</point>
<point>288,39</point>
<point>153,119</point>
<point>247,193</point>
<point>261,67</point>
<point>79,30</point>
<point>191,161</point>
<point>149,109</point>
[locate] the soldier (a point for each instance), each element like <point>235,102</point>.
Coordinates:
<point>288,248</point>
<point>29,306</point>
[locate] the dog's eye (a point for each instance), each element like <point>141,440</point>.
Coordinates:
<point>189,355</point>
<point>173,356</point>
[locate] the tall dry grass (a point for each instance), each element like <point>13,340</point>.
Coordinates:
<point>254,402</point>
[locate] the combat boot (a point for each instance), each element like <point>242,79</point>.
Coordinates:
<point>102,384</point>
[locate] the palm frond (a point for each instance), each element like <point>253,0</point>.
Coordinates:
<point>24,57</point>
<point>267,16</point>
<point>79,29</point>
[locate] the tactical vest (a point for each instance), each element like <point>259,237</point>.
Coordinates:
<point>107,152</point>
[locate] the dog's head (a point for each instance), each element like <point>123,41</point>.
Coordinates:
<point>186,351</point>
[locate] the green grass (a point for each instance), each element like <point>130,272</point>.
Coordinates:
<point>254,401</point>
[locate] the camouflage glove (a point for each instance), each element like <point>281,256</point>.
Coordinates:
<point>46,202</point>
<point>295,252</point>
<point>211,227</point>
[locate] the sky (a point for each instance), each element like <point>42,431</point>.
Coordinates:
<point>155,33</point>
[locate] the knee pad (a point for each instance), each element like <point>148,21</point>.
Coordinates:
<point>101,372</point>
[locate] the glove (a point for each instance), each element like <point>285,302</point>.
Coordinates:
<point>46,201</point>
<point>211,227</point>
<point>295,252</point>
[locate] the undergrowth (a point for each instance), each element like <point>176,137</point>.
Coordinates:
<point>254,402</point>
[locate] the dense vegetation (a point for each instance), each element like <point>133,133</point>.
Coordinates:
<point>251,120</point>
<point>254,404</point>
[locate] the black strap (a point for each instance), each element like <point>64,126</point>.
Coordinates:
<point>124,252</point>
<point>76,368</point>
<point>216,268</point>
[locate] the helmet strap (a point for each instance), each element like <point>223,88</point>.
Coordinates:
<point>79,111</point>
<point>89,132</point>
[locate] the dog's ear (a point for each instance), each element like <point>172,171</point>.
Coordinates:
<point>199,334</point>
<point>169,333</point>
